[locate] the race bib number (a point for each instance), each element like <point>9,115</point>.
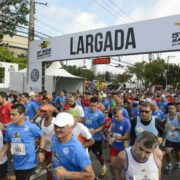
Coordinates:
<point>18,149</point>
<point>116,135</point>
<point>173,134</point>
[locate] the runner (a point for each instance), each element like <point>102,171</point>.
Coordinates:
<point>20,138</point>
<point>94,120</point>
<point>141,161</point>
<point>120,130</point>
<point>32,110</point>
<point>172,123</point>
<point>5,108</point>
<point>70,160</point>
<point>47,127</point>
<point>146,122</point>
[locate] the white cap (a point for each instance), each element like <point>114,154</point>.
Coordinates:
<point>63,119</point>
<point>104,95</point>
<point>32,93</point>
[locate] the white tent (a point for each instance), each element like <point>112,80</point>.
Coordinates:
<point>56,79</point>
<point>59,79</point>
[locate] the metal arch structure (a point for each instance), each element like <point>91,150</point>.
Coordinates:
<point>151,36</point>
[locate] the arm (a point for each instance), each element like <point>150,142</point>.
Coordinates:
<point>158,154</point>
<point>123,138</point>
<point>4,150</point>
<point>94,131</point>
<point>42,148</point>
<point>132,132</point>
<point>120,165</point>
<point>87,174</point>
<point>89,143</point>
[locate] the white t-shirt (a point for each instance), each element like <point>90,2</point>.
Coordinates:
<point>48,131</point>
<point>80,109</point>
<point>4,159</point>
<point>81,132</point>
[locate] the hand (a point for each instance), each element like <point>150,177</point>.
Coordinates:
<point>173,128</point>
<point>92,131</point>
<point>40,157</point>
<point>60,172</point>
<point>111,140</point>
<point>1,126</point>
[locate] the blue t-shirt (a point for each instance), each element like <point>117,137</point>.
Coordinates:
<point>71,155</point>
<point>135,112</point>
<point>94,120</point>
<point>23,136</point>
<point>62,100</point>
<point>31,108</point>
<point>119,128</point>
<point>125,113</point>
<point>159,114</point>
<point>163,106</point>
<point>106,103</point>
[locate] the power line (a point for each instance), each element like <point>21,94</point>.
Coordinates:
<point>54,20</point>
<point>115,5</point>
<point>57,30</point>
<point>66,18</point>
<point>106,8</point>
<point>112,7</point>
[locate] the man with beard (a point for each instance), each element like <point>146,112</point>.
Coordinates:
<point>74,105</point>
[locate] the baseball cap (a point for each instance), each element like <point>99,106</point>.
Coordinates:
<point>63,119</point>
<point>104,95</point>
<point>46,108</point>
<point>32,93</point>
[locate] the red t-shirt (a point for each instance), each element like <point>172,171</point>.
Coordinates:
<point>107,122</point>
<point>5,113</point>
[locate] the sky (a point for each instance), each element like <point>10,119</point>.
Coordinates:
<point>61,17</point>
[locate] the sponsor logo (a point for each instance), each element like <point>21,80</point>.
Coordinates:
<point>34,75</point>
<point>66,150</point>
<point>176,36</point>
<point>45,50</point>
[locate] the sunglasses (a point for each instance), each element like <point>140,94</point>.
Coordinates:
<point>143,111</point>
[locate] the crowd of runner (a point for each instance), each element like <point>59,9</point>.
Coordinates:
<point>57,131</point>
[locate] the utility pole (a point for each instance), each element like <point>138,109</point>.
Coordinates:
<point>30,35</point>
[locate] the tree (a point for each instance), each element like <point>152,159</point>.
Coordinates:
<point>7,56</point>
<point>173,75</point>
<point>154,72</point>
<point>13,13</point>
<point>138,70</point>
<point>107,76</point>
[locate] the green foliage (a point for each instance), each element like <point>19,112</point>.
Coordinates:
<point>107,76</point>
<point>12,14</point>
<point>85,73</point>
<point>7,56</point>
<point>154,72</point>
<point>123,78</point>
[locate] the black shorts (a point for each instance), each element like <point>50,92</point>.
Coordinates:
<point>96,148</point>
<point>23,174</point>
<point>174,145</point>
<point>3,170</point>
